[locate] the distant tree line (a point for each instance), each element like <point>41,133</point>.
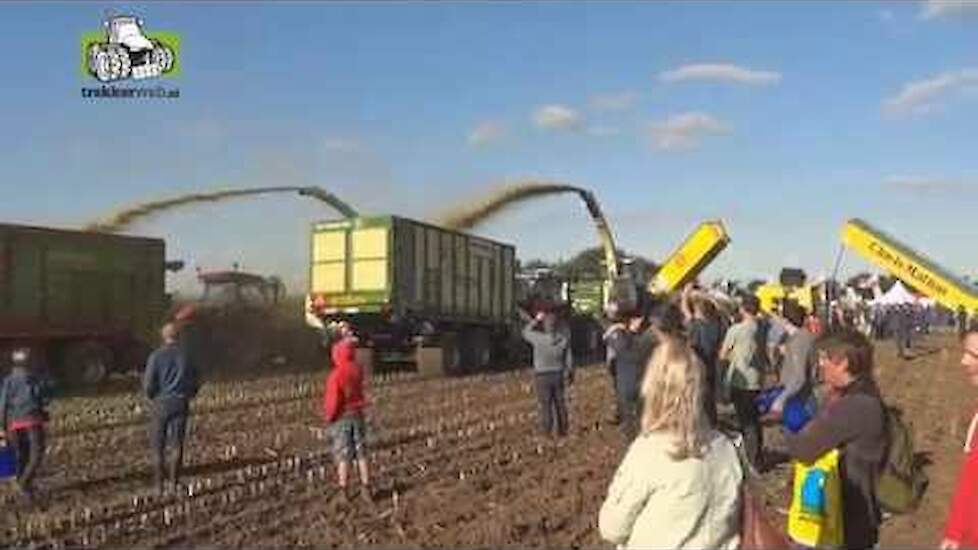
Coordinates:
<point>589,264</point>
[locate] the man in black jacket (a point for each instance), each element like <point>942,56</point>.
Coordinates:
<point>632,343</point>
<point>170,382</point>
<point>705,334</point>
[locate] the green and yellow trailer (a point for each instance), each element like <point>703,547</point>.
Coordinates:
<point>416,293</point>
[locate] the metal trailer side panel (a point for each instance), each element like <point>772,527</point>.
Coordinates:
<point>448,274</point>
<point>452,276</point>
<point>508,282</point>
<point>26,301</point>
<point>58,282</point>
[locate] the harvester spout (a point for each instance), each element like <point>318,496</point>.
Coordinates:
<point>329,198</point>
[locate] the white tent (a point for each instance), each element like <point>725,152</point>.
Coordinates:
<point>897,295</point>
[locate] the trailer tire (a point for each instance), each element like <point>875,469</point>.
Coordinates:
<point>451,355</point>
<point>132,357</point>
<point>87,363</point>
<point>480,350</point>
<point>443,359</point>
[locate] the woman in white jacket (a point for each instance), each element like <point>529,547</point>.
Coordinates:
<point>679,483</point>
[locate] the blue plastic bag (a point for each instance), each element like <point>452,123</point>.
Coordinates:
<point>766,398</point>
<point>797,411</point>
<point>8,462</point>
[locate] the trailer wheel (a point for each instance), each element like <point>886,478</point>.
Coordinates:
<point>480,349</point>
<point>87,363</point>
<point>444,359</point>
<point>451,354</point>
<point>132,357</point>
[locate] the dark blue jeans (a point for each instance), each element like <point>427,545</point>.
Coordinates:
<point>168,425</point>
<point>553,406</point>
<point>29,446</point>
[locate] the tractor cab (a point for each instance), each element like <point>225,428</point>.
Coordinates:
<point>239,290</point>
<point>540,288</point>
<point>236,320</point>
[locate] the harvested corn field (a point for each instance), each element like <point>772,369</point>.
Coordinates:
<point>457,462</point>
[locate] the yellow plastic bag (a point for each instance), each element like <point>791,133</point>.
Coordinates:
<point>815,515</point>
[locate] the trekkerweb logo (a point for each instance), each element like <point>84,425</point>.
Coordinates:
<point>125,51</point>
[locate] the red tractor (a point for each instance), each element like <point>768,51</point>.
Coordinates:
<point>237,324</point>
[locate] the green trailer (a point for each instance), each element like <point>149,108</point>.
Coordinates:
<point>90,303</point>
<point>421,294</point>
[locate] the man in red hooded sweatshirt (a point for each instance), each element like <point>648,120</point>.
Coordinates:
<point>343,406</point>
<point>961,530</point>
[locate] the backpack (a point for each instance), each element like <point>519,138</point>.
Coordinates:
<point>902,481</point>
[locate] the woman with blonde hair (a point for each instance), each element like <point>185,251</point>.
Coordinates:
<point>679,483</point>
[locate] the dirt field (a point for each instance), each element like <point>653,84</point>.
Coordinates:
<point>457,463</point>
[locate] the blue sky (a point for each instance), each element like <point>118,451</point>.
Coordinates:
<point>782,119</point>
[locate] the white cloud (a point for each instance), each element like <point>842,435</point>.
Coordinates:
<point>926,186</point>
<point>936,9</point>
<point>720,72</point>
<point>341,145</point>
<point>616,101</point>
<point>685,131</point>
<point>487,133</point>
<point>922,96</point>
<point>603,131</point>
<point>558,117</point>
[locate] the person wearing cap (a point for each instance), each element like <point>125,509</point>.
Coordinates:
<point>170,382</point>
<point>24,398</point>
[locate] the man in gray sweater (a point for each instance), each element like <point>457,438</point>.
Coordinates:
<point>552,366</point>
<point>798,364</point>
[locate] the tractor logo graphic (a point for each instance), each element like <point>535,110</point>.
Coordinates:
<point>126,51</point>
